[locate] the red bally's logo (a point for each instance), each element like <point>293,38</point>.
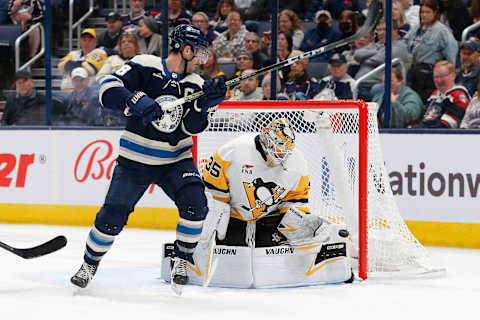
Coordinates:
<point>94,161</point>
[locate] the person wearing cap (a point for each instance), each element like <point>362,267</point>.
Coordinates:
<point>88,57</point>
<point>321,35</point>
<point>249,89</point>
<point>301,86</point>
<point>109,38</point>
<point>339,84</point>
<point>81,106</point>
<point>468,73</point>
<point>149,40</point>
<point>26,106</point>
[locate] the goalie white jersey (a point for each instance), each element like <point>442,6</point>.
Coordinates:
<point>238,174</point>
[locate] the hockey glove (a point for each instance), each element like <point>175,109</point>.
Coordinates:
<point>215,91</point>
<point>144,107</point>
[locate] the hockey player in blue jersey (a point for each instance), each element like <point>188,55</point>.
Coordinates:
<point>155,146</point>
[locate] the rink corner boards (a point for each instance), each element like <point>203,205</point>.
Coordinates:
<point>446,234</point>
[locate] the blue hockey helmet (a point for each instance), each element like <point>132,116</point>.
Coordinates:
<point>184,35</point>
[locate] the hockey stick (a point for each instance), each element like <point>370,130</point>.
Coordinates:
<point>375,12</point>
<point>211,264</point>
<point>55,244</point>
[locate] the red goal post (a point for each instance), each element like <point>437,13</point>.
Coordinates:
<point>349,184</point>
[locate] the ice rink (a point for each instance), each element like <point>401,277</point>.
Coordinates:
<point>127,286</point>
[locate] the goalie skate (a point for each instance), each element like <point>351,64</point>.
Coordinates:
<point>178,276</point>
<point>84,275</point>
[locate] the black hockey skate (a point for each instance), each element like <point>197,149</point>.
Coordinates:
<point>84,275</point>
<point>178,276</point>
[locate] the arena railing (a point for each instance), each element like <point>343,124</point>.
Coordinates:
<point>469,29</point>
<point>78,24</point>
<point>35,57</point>
<point>124,6</point>
<point>373,72</point>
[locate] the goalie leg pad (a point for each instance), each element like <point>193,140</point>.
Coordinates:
<point>279,266</point>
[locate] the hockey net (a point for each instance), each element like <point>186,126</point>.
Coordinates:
<point>349,182</point>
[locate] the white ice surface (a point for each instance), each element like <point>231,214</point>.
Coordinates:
<point>127,286</point>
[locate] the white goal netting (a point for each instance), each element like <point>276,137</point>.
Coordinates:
<point>328,135</point>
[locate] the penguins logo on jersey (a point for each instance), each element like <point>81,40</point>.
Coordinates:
<point>171,118</point>
<point>261,195</point>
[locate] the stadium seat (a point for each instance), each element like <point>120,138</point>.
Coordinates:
<point>264,27</point>
<point>9,33</point>
<point>318,69</point>
<point>228,69</point>
<point>307,25</point>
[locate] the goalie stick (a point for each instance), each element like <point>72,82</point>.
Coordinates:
<point>53,245</point>
<point>211,264</point>
<point>375,12</point>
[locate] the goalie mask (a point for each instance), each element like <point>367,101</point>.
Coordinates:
<point>278,141</point>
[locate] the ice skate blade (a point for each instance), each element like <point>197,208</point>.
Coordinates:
<point>76,290</point>
<point>176,289</point>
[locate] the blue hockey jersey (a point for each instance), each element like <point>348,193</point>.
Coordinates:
<point>168,139</point>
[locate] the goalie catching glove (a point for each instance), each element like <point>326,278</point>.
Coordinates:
<point>302,229</point>
<point>141,105</point>
<point>214,93</point>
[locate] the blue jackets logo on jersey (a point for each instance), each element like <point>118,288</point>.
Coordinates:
<point>171,118</point>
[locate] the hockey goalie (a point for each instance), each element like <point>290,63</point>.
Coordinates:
<point>259,231</point>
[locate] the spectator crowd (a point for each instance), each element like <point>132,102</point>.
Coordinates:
<point>436,84</point>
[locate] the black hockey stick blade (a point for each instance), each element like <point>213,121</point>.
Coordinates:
<point>375,13</point>
<point>53,245</point>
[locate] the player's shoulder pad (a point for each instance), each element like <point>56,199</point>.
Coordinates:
<point>238,146</point>
<point>297,162</point>
<point>148,60</point>
<point>193,78</point>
